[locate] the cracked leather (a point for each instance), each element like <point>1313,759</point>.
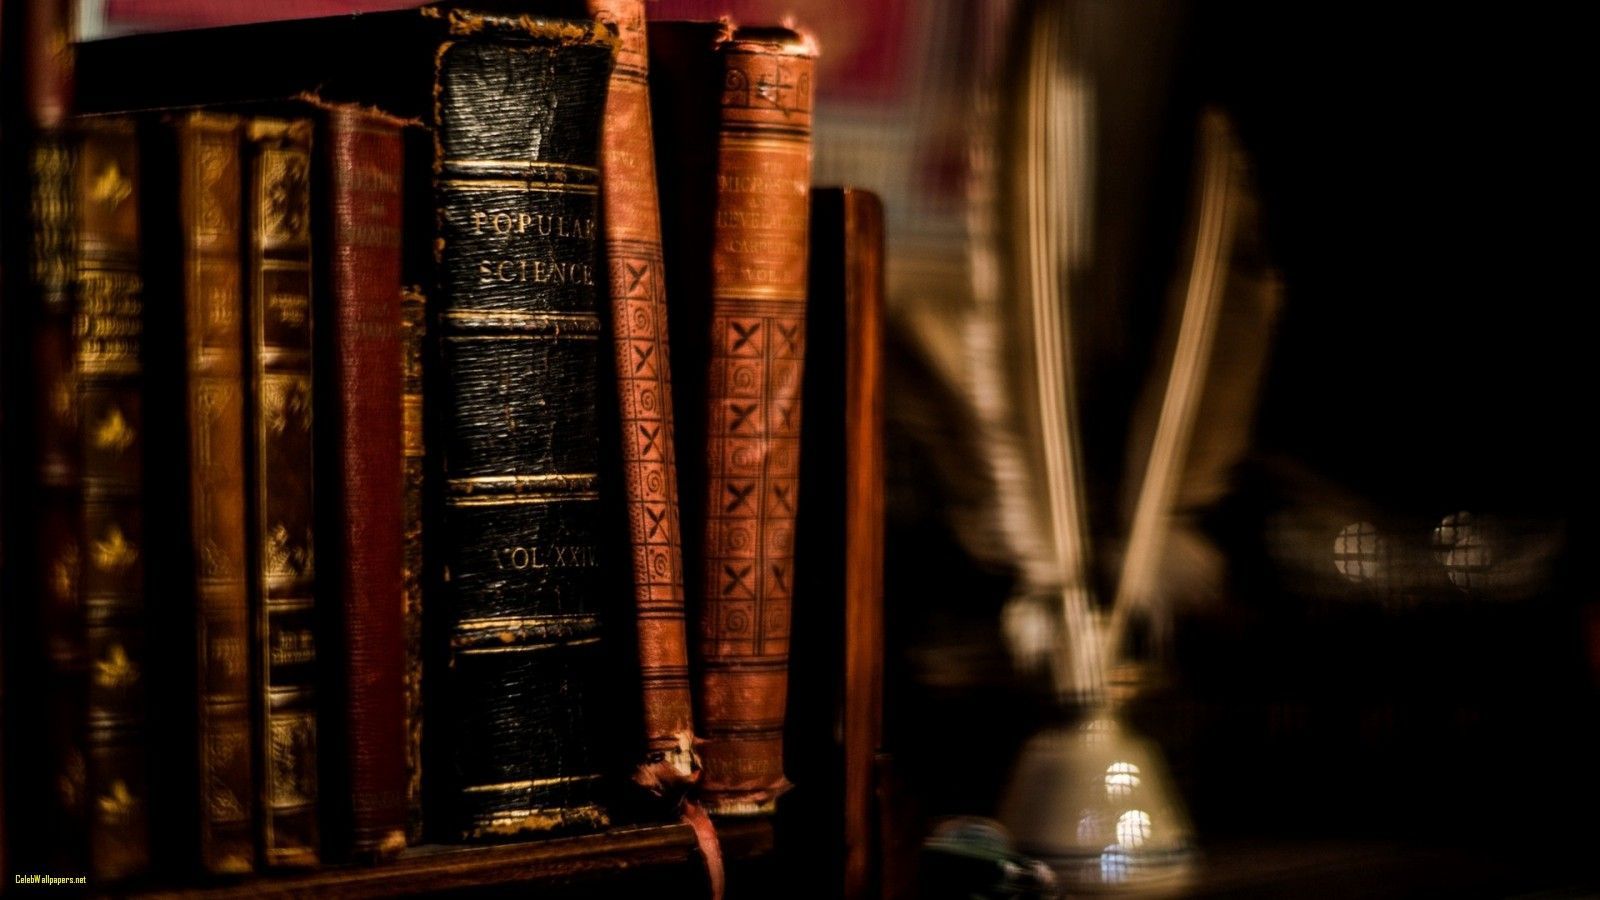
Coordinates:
<point>518,106</point>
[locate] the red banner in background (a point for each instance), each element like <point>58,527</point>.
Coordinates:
<point>864,42</point>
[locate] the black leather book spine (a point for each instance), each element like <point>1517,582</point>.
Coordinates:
<point>517,127</point>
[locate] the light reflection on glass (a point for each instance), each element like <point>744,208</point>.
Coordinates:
<point>1114,865</point>
<point>1121,779</point>
<point>1133,828</point>
<point>1452,528</point>
<point>1358,552</point>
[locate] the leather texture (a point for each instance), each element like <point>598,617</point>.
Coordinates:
<point>109,350</point>
<point>209,212</point>
<point>282,502</point>
<point>519,105</point>
<point>753,363</point>
<point>362,488</point>
<point>638,307</point>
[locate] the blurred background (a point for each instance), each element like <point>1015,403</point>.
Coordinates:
<point>1366,616</point>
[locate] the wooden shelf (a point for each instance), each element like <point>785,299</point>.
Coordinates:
<point>435,869</point>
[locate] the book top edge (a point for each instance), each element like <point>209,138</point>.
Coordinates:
<point>723,34</point>
<point>778,40</point>
<point>463,23</point>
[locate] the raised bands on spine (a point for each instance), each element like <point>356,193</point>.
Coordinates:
<point>517,118</point>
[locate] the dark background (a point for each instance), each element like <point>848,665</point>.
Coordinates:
<point>1423,177</point>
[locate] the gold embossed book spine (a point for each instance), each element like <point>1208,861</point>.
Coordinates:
<point>518,106</point>
<point>281,501</point>
<point>742,100</point>
<point>208,161</point>
<point>108,332</point>
<point>638,307</point>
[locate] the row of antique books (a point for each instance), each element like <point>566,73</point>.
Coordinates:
<point>352,493</point>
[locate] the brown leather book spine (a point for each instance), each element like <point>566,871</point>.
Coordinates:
<point>362,490</point>
<point>413,312</point>
<point>632,239</point>
<point>835,724</point>
<point>57,502</point>
<point>757,345</point>
<point>108,331</point>
<point>281,509</point>
<point>210,189</point>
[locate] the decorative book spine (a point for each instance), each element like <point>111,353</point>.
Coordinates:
<point>108,331</point>
<point>757,342</point>
<point>210,188</point>
<point>413,313</point>
<point>644,387</point>
<point>362,491</point>
<point>518,110</point>
<point>282,573</point>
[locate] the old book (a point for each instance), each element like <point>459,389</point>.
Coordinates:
<point>87,378</point>
<point>511,725</point>
<point>281,502</point>
<point>56,500</point>
<point>107,331</point>
<point>414,316</point>
<point>361,490</point>
<point>638,306</point>
<point>836,724</point>
<point>196,339</point>
<point>743,104</point>
<point>519,106</point>
<point>45,657</point>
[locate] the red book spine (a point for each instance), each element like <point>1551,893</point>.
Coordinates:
<point>757,344</point>
<point>644,386</point>
<point>363,450</point>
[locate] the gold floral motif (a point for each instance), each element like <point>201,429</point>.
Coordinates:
<point>116,670</point>
<point>113,553</point>
<point>221,752</point>
<point>111,187</point>
<point>118,801</point>
<point>284,558</point>
<point>294,743</point>
<point>286,195</point>
<point>213,159</point>
<point>114,433</point>
<point>281,400</point>
<point>64,573</point>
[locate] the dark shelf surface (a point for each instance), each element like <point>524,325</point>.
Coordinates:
<point>1307,869</point>
<point>441,869</point>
